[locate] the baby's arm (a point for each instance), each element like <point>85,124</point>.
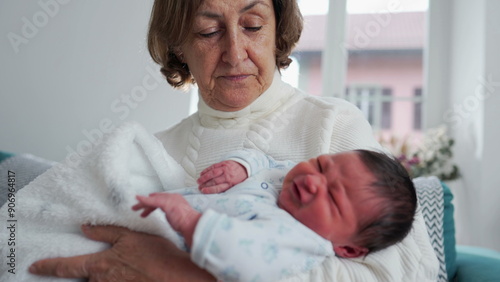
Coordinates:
<point>275,245</point>
<point>221,176</point>
<point>181,216</point>
<point>237,167</point>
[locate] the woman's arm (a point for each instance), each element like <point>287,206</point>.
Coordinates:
<point>134,256</point>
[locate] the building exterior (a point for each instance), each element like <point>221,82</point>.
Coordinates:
<point>384,75</point>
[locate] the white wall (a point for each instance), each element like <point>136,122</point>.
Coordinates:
<point>71,69</point>
<point>490,175</point>
<point>436,63</point>
<point>471,91</point>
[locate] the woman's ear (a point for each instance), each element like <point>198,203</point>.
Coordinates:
<point>179,54</point>
<point>350,251</point>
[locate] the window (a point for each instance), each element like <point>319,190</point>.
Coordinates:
<point>375,102</point>
<point>386,119</point>
<point>291,74</point>
<point>381,55</point>
<point>417,109</point>
<point>309,51</point>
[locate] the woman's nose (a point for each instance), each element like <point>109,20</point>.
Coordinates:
<point>235,49</point>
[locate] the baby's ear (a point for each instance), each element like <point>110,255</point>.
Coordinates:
<point>350,251</point>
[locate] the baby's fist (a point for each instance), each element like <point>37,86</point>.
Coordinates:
<point>221,176</point>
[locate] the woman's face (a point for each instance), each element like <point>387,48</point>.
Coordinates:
<point>231,51</point>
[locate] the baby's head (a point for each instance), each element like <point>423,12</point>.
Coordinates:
<point>362,201</point>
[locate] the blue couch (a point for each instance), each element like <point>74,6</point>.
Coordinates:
<point>466,263</point>
<point>463,263</point>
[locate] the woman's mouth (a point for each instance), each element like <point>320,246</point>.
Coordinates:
<point>239,77</point>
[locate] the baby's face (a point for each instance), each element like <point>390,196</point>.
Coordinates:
<point>329,195</point>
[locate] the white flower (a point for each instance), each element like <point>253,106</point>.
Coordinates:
<point>434,154</point>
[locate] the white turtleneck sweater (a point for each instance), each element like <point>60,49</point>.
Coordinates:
<point>282,122</point>
<point>287,124</point>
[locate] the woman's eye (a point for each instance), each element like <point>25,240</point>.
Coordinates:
<point>253,28</point>
<point>209,34</point>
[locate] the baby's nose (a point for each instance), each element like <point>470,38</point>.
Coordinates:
<point>314,182</point>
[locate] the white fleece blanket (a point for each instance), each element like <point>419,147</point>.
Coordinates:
<point>101,190</point>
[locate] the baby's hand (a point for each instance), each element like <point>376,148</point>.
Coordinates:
<point>181,216</point>
<point>174,206</point>
<point>221,176</point>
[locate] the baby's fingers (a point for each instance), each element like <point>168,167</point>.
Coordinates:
<point>147,209</point>
<point>214,166</point>
<point>149,204</point>
<point>209,174</point>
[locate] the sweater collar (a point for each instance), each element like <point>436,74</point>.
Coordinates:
<point>263,105</point>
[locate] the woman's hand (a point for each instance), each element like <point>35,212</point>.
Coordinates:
<point>219,177</point>
<point>134,256</point>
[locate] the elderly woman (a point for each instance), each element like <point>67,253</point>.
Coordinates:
<point>234,50</point>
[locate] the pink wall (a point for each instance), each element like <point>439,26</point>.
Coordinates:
<point>402,72</point>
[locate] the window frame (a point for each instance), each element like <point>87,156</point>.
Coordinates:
<point>335,59</point>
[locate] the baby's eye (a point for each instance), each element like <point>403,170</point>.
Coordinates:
<point>319,165</point>
<point>332,198</point>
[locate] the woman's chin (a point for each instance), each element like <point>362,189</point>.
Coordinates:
<point>232,102</point>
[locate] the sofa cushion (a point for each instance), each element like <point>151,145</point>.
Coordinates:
<point>431,203</point>
<point>26,168</point>
<point>5,155</point>
<point>477,264</point>
<point>449,233</point>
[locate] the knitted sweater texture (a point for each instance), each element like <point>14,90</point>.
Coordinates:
<point>283,123</point>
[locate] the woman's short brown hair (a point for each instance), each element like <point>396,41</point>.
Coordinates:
<point>171,21</point>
